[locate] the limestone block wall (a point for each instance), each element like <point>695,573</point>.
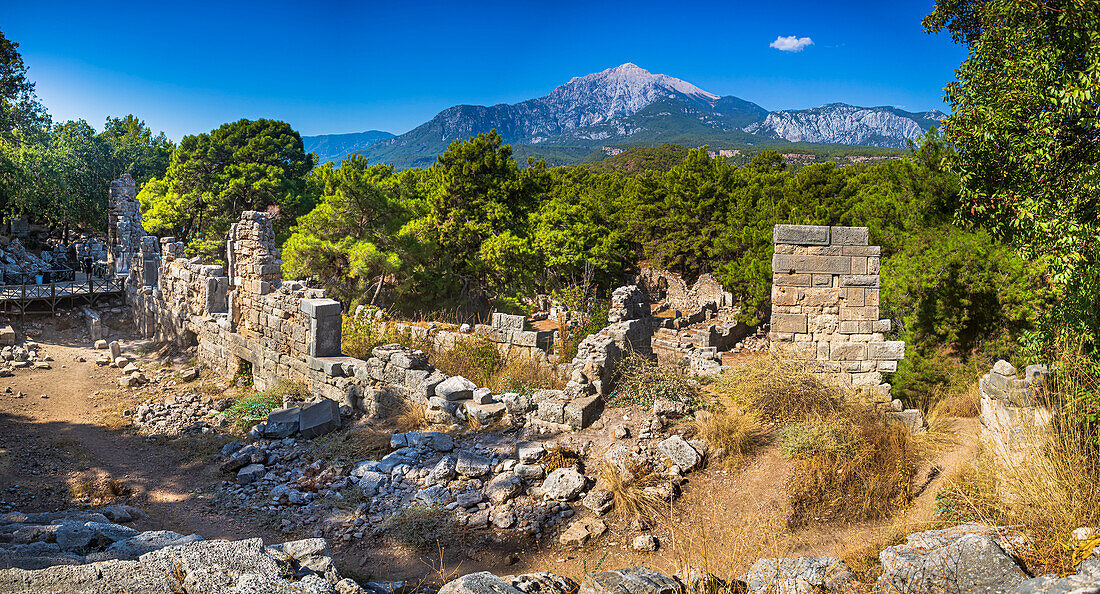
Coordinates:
<point>825,304</point>
<point>124,230</point>
<point>1012,418</point>
<point>658,284</point>
<point>631,330</point>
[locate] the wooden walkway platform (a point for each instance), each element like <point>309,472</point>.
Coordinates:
<point>48,297</point>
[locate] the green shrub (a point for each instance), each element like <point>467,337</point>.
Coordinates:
<point>248,410</point>
<point>808,438</point>
<point>640,381</point>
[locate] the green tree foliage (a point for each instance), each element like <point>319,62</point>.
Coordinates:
<point>213,177</point>
<point>477,201</point>
<point>20,111</point>
<point>349,242</point>
<point>134,149</point>
<point>1026,132</point>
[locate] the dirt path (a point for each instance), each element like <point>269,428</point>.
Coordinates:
<point>48,444</point>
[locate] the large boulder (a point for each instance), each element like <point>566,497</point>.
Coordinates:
<point>680,452</point>
<point>632,580</point>
<point>564,484</point>
<point>814,574</point>
<point>482,582</point>
<point>282,423</point>
<point>456,388</point>
<point>964,558</point>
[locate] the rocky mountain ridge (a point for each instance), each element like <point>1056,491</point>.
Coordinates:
<point>630,106</point>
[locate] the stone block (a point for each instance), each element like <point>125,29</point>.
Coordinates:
<point>794,323</point>
<point>887,366</point>
<point>861,250</point>
<point>7,336</point>
<point>582,412</point>
<point>847,351</point>
<point>503,321</point>
<point>859,280</point>
<point>859,265</point>
<point>282,423</point>
<point>791,280</point>
<point>551,411</point>
<point>822,280</point>
<point>881,326</point>
<point>797,263</point>
<point>324,336</point>
<point>865,313</point>
<point>319,418</point>
<point>321,308</point>
<point>891,350</point>
<point>849,236</point>
<point>801,234</point>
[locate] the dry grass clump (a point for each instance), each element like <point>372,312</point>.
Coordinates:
<point>777,390</point>
<point>97,490</point>
<point>361,442</point>
<point>1047,482</point>
<point>524,376</point>
<point>560,456</point>
<point>422,527</point>
<point>631,489</point>
<point>849,469</point>
<point>406,415</point>
<point>958,403</point>
<point>733,431</point>
<point>639,381</point>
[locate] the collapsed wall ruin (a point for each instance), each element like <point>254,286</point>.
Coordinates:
<point>1013,419</point>
<point>825,305</point>
<point>124,229</point>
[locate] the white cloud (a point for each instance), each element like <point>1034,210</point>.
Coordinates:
<point>791,43</point>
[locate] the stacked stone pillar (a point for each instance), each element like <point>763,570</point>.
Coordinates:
<point>124,230</point>
<point>825,305</point>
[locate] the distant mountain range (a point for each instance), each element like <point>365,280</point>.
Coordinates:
<point>629,106</point>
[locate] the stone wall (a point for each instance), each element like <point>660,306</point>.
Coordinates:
<point>1012,419</point>
<point>658,285</point>
<point>124,230</point>
<point>631,330</point>
<point>825,304</point>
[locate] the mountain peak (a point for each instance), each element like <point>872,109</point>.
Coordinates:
<point>637,80</point>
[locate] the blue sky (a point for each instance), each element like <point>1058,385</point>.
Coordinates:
<point>346,66</point>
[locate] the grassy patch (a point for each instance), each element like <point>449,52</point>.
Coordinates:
<point>640,381</point>
<point>248,410</point>
<point>559,456</point>
<point>630,489</point>
<point>361,442</point>
<point>965,403</point>
<point>779,391</point>
<point>98,490</point>
<point>853,468</point>
<point>733,431</point>
<point>1047,480</point>
<point>525,376</point>
<point>422,527</point>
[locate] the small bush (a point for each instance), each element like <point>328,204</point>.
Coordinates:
<point>251,409</point>
<point>810,438</point>
<point>629,489</point>
<point>287,390</point>
<point>422,527</point>
<point>731,430</point>
<point>525,376</point>
<point>865,477</point>
<point>640,381</point>
<point>780,391</point>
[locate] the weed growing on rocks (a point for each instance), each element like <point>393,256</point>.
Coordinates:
<point>248,410</point>
<point>421,527</point>
<point>780,391</point>
<point>640,381</point>
<point>731,431</point>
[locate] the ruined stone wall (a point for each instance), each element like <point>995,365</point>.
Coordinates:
<point>1012,418</point>
<point>661,284</point>
<point>124,230</point>
<point>825,304</point>
<point>631,330</point>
